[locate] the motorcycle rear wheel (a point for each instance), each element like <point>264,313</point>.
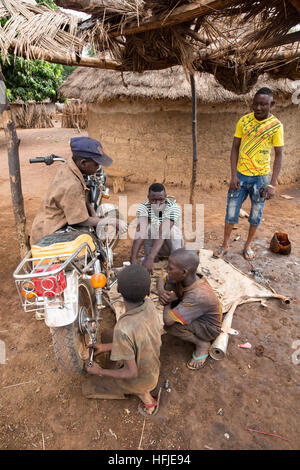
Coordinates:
<point>70,344</point>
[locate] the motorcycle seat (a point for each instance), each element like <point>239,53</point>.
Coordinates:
<point>62,243</point>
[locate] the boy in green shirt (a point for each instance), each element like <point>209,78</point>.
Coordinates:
<point>136,341</point>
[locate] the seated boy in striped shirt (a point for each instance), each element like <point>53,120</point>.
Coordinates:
<point>158,229</point>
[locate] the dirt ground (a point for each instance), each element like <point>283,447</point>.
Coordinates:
<point>41,408</point>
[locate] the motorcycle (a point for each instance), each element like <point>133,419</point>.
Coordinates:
<point>65,278</point>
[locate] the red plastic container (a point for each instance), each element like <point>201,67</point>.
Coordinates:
<point>52,285</point>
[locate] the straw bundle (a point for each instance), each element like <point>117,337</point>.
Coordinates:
<point>33,116</point>
<point>155,49</point>
<point>74,115</point>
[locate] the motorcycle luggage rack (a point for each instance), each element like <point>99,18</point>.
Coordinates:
<point>26,271</point>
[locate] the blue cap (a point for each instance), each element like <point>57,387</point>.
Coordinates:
<point>89,148</point>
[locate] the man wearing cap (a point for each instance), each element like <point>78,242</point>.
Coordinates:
<point>66,199</point>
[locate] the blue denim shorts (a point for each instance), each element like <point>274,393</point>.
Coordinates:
<point>252,186</point>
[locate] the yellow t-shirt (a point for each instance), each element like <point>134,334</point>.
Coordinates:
<point>257,139</point>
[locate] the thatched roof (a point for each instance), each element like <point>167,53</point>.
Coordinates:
<point>92,86</point>
<point>235,40</point>
<point>33,30</point>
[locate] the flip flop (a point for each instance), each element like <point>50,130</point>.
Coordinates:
<point>197,359</point>
<point>142,406</point>
<point>248,254</point>
<point>220,252</point>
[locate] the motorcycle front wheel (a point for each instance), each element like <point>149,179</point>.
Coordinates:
<point>110,231</point>
<point>69,341</point>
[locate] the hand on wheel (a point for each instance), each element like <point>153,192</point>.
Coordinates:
<point>98,348</point>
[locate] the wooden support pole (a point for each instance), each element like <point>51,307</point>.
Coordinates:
<point>55,58</point>
<point>94,62</point>
<point>14,170</point>
<point>194,130</point>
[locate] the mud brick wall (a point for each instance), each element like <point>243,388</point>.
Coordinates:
<point>152,141</point>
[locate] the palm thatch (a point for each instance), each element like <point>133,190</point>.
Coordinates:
<point>235,40</point>
<point>100,86</point>
<point>29,24</point>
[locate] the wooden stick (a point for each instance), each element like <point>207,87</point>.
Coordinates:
<point>194,35</point>
<point>278,57</point>
<point>268,434</point>
<point>94,62</point>
<point>38,53</point>
<point>16,385</point>
<point>194,130</point>
<point>268,44</point>
<point>281,40</point>
<point>139,447</point>
<point>13,143</point>
<point>179,15</point>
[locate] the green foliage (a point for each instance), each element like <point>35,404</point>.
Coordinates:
<point>3,20</point>
<point>67,70</point>
<point>31,79</point>
<point>49,2</point>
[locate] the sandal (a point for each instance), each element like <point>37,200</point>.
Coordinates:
<point>248,254</point>
<point>220,252</point>
<point>189,366</point>
<point>143,406</point>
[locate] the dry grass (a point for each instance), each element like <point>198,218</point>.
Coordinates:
<point>33,117</point>
<point>74,115</point>
<point>37,25</point>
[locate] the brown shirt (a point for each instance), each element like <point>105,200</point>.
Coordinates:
<point>197,302</point>
<point>137,335</point>
<point>64,202</point>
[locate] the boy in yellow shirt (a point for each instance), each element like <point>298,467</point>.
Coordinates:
<point>255,135</point>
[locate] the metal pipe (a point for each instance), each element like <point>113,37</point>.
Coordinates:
<point>218,348</point>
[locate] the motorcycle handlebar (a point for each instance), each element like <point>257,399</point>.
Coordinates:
<point>49,159</point>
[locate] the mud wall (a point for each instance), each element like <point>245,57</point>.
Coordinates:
<point>152,141</point>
